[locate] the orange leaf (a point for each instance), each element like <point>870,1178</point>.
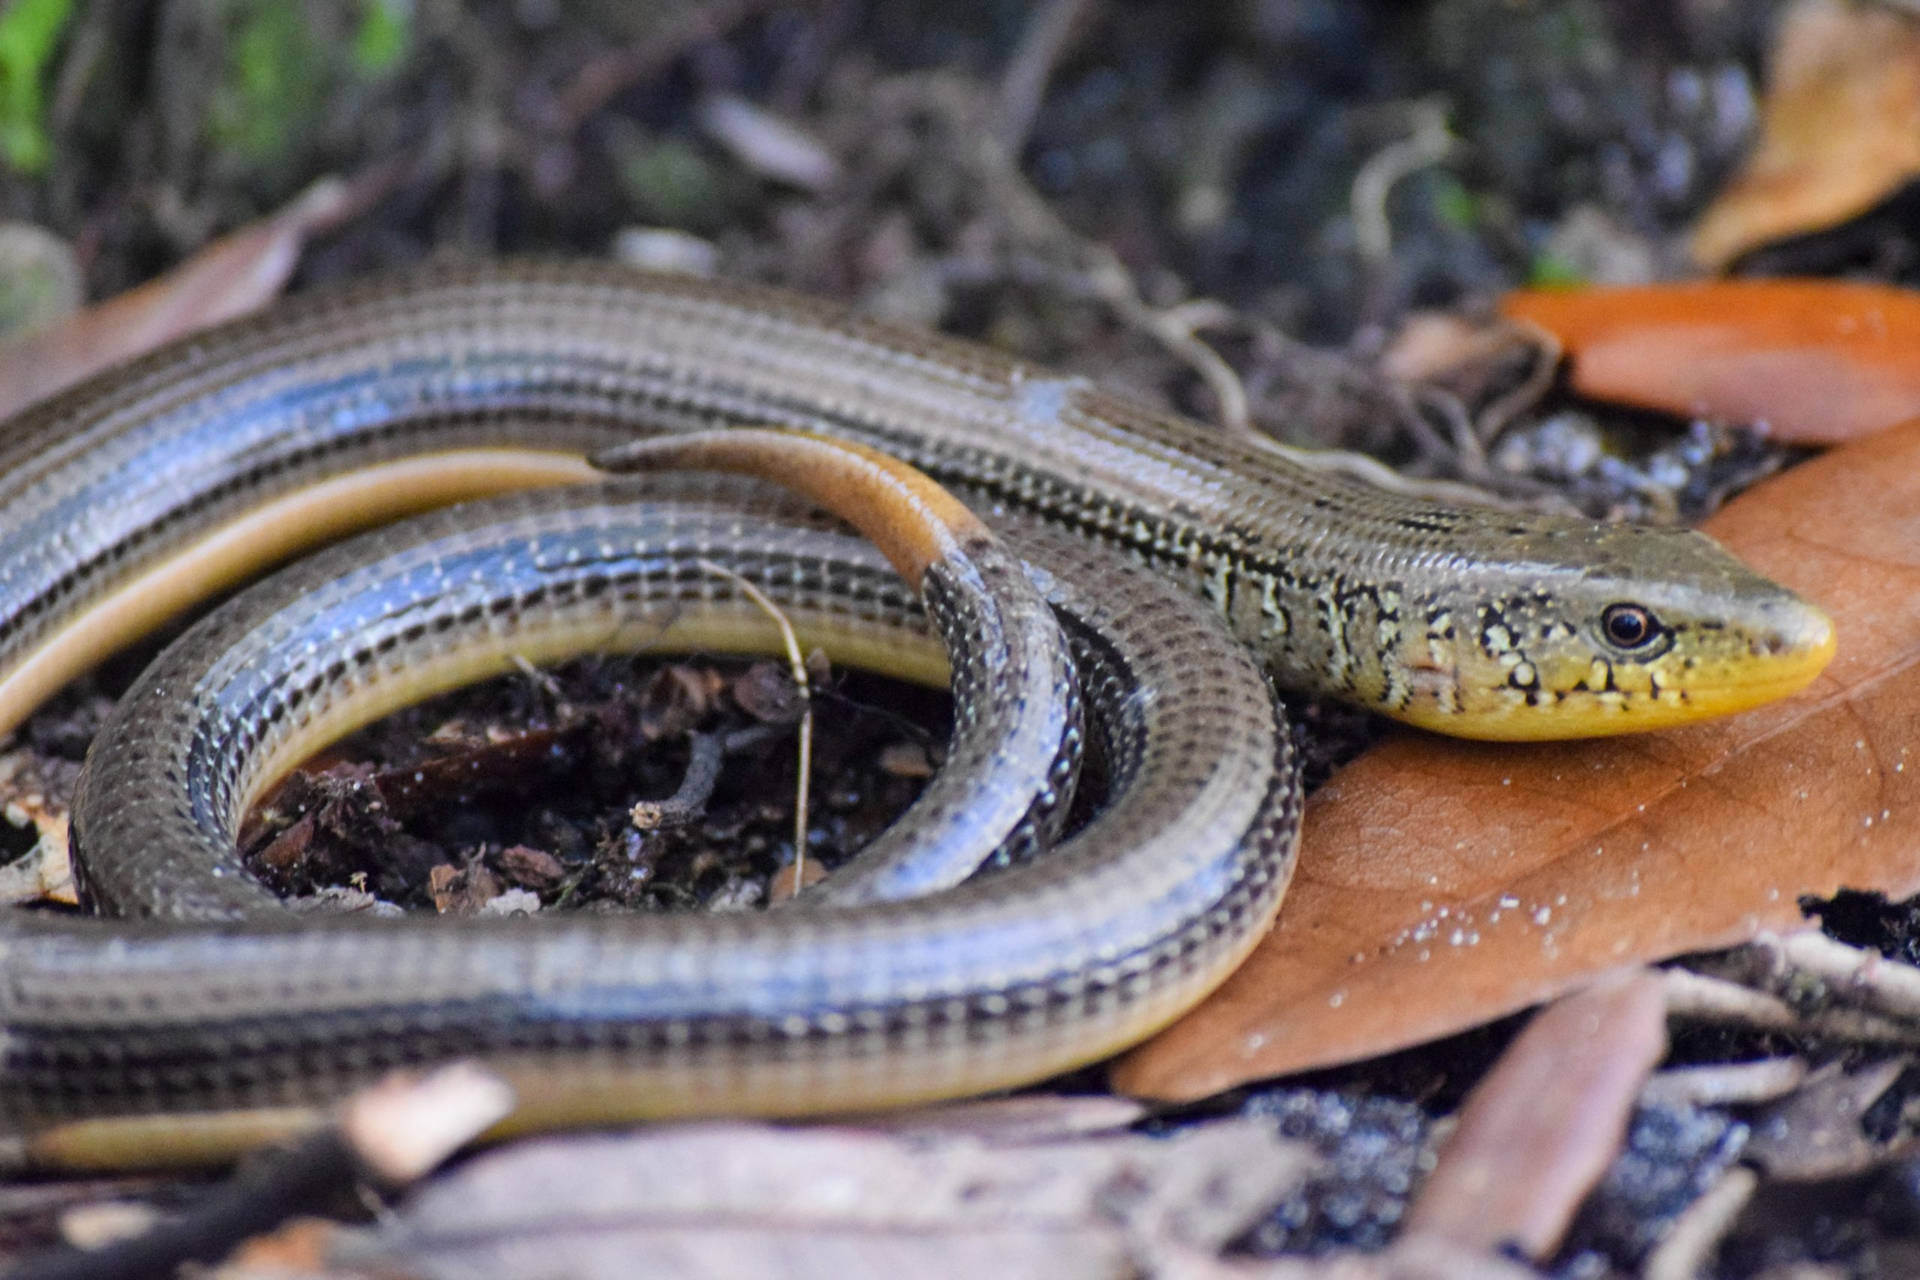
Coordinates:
<point>1503,1177</point>
<point>230,277</point>
<point>1447,883</point>
<point>1839,133</point>
<point>1810,361</point>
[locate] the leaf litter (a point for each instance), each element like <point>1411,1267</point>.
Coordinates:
<point>1269,388</point>
<point>1445,884</point>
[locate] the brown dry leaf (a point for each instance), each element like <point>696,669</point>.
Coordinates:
<point>750,1199</point>
<point>501,763</point>
<point>1821,1131</point>
<point>789,880</point>
<point>230,277</point>
<point>532,868</point>
<point>1470,357</point>
<point>1447,883</point>
<point>298,1248</point>
<point>1014,1119</point>
<point>1840,130</point>
<point>462,891</point>
<point>1504,1180</point>
<point>1809,361</point>
<point>34,791</point>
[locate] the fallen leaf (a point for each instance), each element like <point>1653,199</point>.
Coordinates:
<point>462,891</point>
<point>297,1248</point>
<point>1472,358</point>
<point>234,275</point>
<point>751,1199</point>
<point>1820,1131</point>
<point>906,759</point>
<point>677,698</point>
<point>290,848</point>
<point>1808,361</point>
<point>507,763</point>
<point>1447,883</point>
<point>1504,1180</point>
<point>792,878</point>
<point>1840,130</point>
<point>34,791</point>
<point>532,868</point>
<point>404,1126</point>
<point>1014,1119</point>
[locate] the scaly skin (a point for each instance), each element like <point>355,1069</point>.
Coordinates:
<point>1433,614</point>
<point>126,500</point>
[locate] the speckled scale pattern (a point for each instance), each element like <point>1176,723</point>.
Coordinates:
<point>992,687</point>
<point>1028,969</point>
<point>1472,620</point>
<point>1343,589</point>
<point>382,609</point>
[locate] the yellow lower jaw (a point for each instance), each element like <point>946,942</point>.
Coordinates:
<point>1509,717</point>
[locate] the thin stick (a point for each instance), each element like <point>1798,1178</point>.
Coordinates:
<point>1047,37</point>
<point>1428,144</point>
<point>695,789</point>
<point>797,666</point>
<point>395,1131</point>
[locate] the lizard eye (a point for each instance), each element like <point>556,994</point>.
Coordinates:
<point>1627,625</point>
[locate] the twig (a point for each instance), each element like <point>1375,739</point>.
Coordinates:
<point>1547,353</point>
<point>1704,999</point>
<point>797,665</point>
<point>1174,328</point>
<point>1861,977</point>
<point>394,1132</point>
<point>808,55</point>
<point>1370,470</point>
<point>1471,458</point>
<point>1033,220</point>
<point>605,76</point>
<point>1708,999</point>
<point>704,751</point>
<point>1428,144</point>
<point>541,680</point>
<point>257,1198</point>
<point>1722,1084</point>
<point>766,144</point>
<point>1047,38</point>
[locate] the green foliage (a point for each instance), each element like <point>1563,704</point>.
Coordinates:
<point>381,41</point>
<point>1550,271</point>
<point>286,61</point>
<point>273,80</point>
<point>670,180</point>
<point>1455,205</point>
<point>29,30</point>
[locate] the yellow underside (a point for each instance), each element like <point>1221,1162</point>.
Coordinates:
<point>1506,716</point>
<point>265,536</point>
<point>553,1093</point>
<point>562,1094</point>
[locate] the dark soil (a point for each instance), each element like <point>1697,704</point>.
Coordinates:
<point>1060,199</point>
